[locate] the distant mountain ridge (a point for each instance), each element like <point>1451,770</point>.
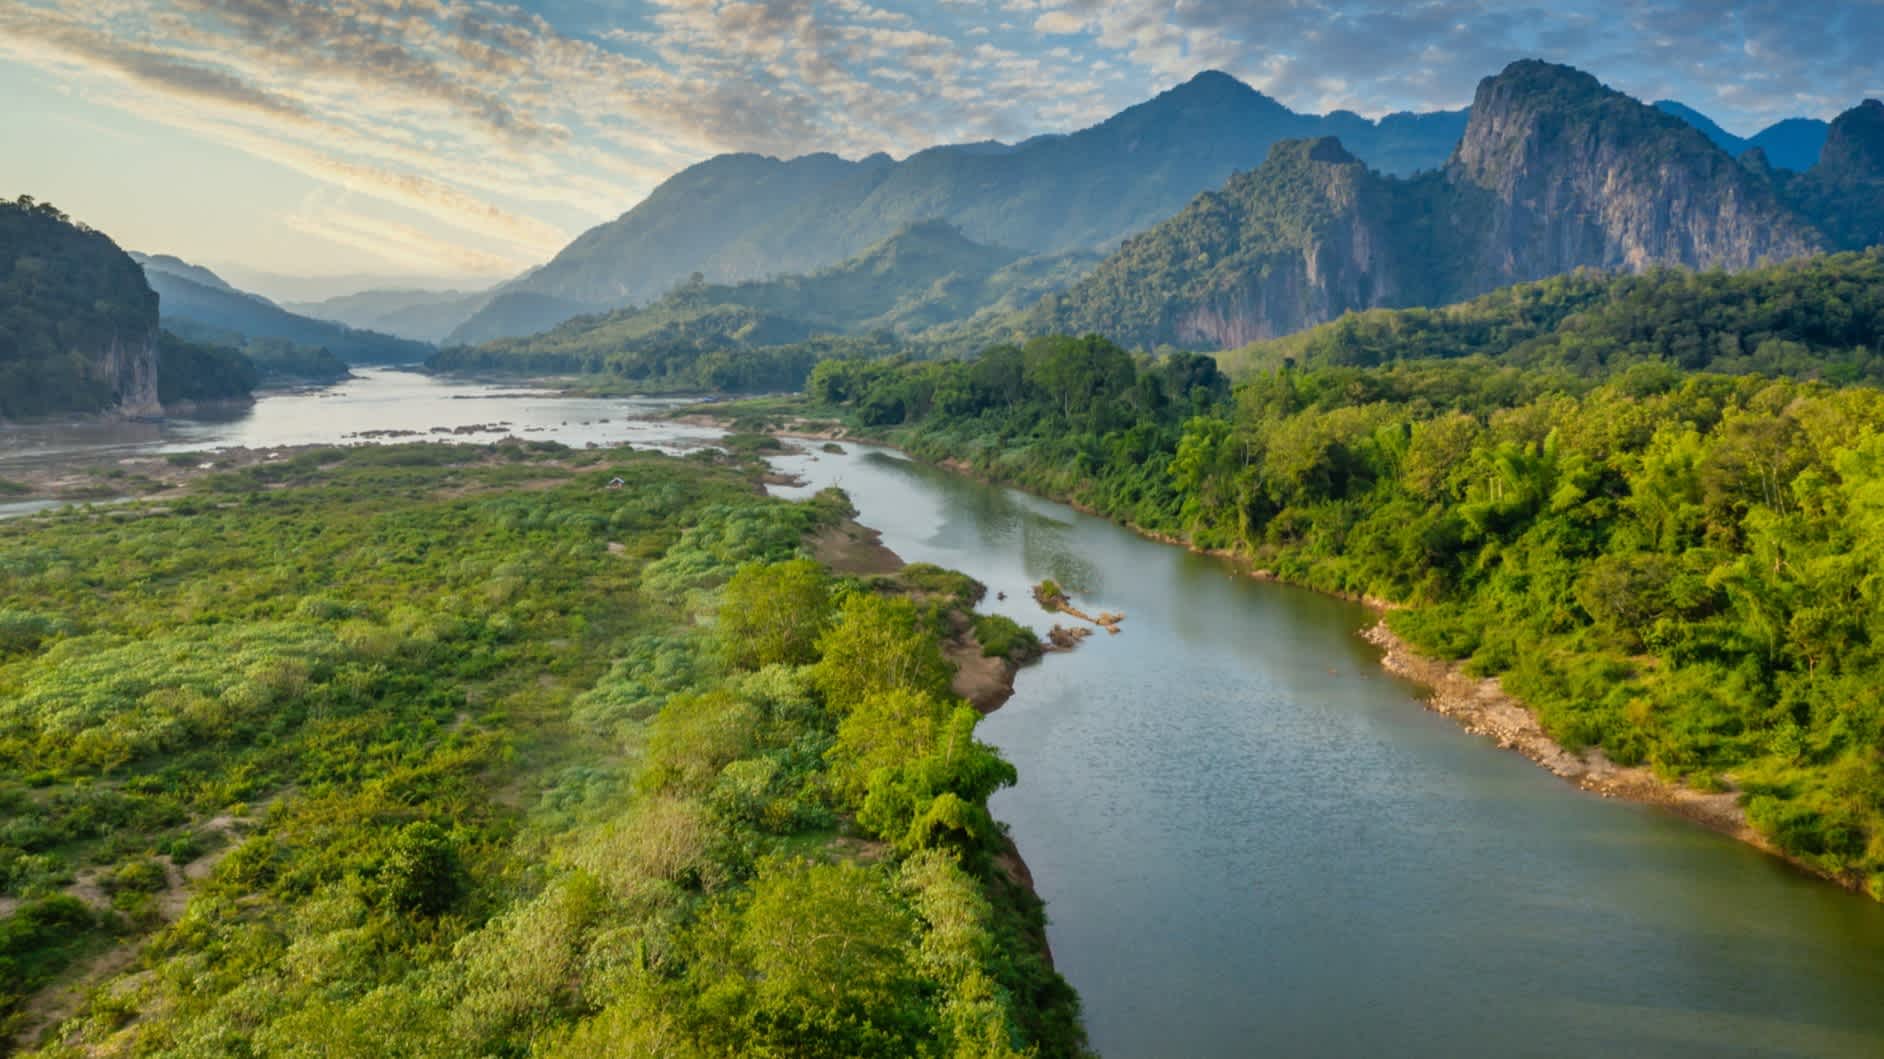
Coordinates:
<point>923,277</point>
<point>420,315</point>
<point>196,303</point>
<point>742,216</point>
<point>1554,172</point>
<point>1793,144</point>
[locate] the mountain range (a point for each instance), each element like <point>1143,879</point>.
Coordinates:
<point>196,303</point>
<point>741,257</point>
<point>923,278</point>
<point>1792,144</point>
<point>741,216</point>
<point>421,315</point>
<point>1554,172</point>
<point>80,328</point>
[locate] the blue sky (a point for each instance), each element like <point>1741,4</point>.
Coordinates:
<point>467,139</point>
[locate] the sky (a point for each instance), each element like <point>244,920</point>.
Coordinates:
<point>460,141</point>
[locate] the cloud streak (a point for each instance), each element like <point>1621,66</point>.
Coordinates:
<point>491,126</point>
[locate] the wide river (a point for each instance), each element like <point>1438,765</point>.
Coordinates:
<point>1251,840</point>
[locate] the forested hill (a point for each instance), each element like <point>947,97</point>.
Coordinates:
<point>78,324</point>
<point>1554,171</point>
<point>729,336</point>
<point>1817,317</point>
<point>742,216</point>
<point>198,304</point>
<point>1844,193</point>
<point>1685,569</point>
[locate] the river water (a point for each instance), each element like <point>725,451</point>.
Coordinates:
<point>379,405</point>
<point>1250,838</point>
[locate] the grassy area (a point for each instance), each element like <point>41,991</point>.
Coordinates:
<point>433,749</point>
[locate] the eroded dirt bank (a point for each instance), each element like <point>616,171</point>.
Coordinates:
<point>1481,706</point>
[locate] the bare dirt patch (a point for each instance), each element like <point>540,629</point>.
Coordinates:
<point>60,1001</point>
<point>985,682</point>
<point>849,548</point>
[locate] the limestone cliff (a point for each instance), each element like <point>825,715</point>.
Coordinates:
<point>1555,172</point>
<point>1580,175</point>
<point>129,364</point>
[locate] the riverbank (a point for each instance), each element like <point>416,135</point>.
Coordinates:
<point>985,682</point>
<point>1480,706</point>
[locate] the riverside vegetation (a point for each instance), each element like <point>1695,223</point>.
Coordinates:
<point>1562,482</point>
<point>432,749</point>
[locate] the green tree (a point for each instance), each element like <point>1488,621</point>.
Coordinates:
<point>774,614</point>
<point>877,646</point>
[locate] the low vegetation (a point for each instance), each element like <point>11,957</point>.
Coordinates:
<point>439,750</point>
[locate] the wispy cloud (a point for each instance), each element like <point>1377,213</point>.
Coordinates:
<point>491,126</point>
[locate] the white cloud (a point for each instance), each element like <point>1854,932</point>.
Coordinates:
<point>484,125</point>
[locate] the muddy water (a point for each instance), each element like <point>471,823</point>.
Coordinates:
<point>1253,841</point>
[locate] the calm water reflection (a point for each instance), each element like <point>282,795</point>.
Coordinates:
<point>378,400</point>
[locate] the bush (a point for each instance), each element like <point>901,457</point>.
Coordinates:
<point>1003,637</point>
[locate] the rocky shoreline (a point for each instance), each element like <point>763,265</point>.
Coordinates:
<point>1481,706</point>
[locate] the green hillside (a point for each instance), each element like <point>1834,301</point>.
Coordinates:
<point>760,334</point>
<point>73,310</point>
<point>1816,317</point>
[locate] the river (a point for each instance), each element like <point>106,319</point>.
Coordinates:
<point>1252,840</point>
<point>378,405</point>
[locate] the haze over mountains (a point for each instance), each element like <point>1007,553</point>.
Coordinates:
<point>921,280</point>
<point>197,303</point>
<point>423,315</point>
<point>80,328</point>
<point>742,216</point>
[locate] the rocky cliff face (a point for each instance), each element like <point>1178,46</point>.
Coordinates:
<point>1344,259</point>
<point>1301,239</point>
<point>1580,175</point>
<point>740,217</point>
<point>128,364</point>
<point>1555,172</point>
